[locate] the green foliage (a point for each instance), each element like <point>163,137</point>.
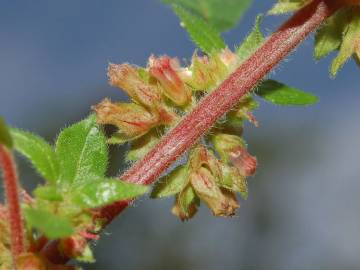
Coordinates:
<point>76,178</point>
<point>186,200</point>
<point>252,42</point>
<point>281,94</point>
<point>328,37</point>
<point>5,137</point>
<point>171,184</point>
<point>50,224</point>
<point>39,152</point>
<point>105,191</point>
<point>221,14</point>
<point>48,193</point>
<point>205,37</point>
<point>340,32</point>
<point>82,152</point>
<point>285,6</point>
<point>350,42</point>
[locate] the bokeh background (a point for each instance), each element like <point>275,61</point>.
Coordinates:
<point>303,211</point>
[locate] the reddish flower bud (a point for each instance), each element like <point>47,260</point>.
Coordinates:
<point>127,78</point>
<point>243,161</point>
<point>243,110</point>
<point>229,58</point>
<point>74,246</point>
<point>202,157</point>
<point>221,202</point>
<point>165,70</point>
<point>132,119</point>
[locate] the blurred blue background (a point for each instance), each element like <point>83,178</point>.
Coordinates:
<point>303,211</point>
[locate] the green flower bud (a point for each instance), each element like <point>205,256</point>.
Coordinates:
<point>186,204</point>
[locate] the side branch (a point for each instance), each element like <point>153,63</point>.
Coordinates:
<point>13,202</point>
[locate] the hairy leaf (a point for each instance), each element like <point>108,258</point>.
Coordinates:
<point>170,184</point>
<point>282,94</point>
<point>82,152</point>
<point>39,152</point>
<point>51,225</point>
<point>285,6</point>
<point>350,44</point>
<point>186,199</point>
<point>5,137</point>
<point>252,42</point>
<point>203,34</point>
<point>103,192</point>
<point>49,193</point>
<point>221,14</point>
<point>329,37</point>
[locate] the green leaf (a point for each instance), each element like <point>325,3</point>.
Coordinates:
<point>350,44</point>
<point>205,37</point>
<point>119,138</point>
<point>285,6</point>
<point>252,42</point>
<point>82,152</point>
<point>48,193</point>
<point>329,37</point>
<point>104,192</point>
<point>51,225</point>
<point>38,151</point>
<point>5,137</point>
<point>186,198</point>
<point>282,94</point>
<point>170,184</point>
<point>140,147</point>
<point>221,14</point>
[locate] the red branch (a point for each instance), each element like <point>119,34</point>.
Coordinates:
<point>228,94</point>
<point>220,101</point>
<point>13,202</point>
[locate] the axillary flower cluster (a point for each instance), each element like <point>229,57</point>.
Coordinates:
<point>218,164</point>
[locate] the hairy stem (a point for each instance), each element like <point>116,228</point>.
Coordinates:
<point>220,101</point>
<point>228,94</point>
<point>13,202</point>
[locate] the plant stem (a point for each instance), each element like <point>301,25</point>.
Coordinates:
<point>220,101</point>
<point>13,202</point>
<point>228,94</point>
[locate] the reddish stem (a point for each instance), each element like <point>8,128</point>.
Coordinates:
<point>13,202</point>
<point>228,94</point>
<point>220,101</point>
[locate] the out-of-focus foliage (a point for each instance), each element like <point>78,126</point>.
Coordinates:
<point>221,15</point>
<point>5,137</point>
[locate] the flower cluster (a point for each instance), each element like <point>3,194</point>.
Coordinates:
<point>161,94</point>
